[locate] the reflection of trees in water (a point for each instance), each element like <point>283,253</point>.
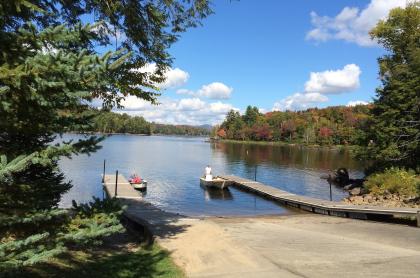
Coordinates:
<point>298,156</point>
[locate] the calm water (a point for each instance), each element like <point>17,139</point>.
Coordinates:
<point>173,165</point>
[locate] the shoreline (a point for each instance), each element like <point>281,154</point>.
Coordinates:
<point>208,139</point>
<point>134,134</point>
<point>281,143</point>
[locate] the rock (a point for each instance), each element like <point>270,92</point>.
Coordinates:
<point>357,200</point>
<point>347,187</point>
<point>368,198</point>
<point>356,191</point>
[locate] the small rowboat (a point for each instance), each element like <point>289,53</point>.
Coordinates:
<point>216,183</point>
<point>139,185</point>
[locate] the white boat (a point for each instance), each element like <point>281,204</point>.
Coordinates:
<point>216,183</point>
<point>141,185</point>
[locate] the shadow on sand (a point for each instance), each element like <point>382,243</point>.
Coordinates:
<point>154,221</point>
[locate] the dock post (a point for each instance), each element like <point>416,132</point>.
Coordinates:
<point>116,183</point>
<point>255,174</point>
<point>418,219</point>
<point>330,191</point>
<point>103,175</point>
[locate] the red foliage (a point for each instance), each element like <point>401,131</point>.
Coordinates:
<point>263,132</point>
<point>325,132</point>
<point>268,115</point>
<point>221,133</point>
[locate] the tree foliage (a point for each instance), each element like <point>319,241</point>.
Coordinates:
<point>54,62</point>
<point>34,234</point>
<point>332,125</point>
<point>392,134</point>
<point>109,122</point>
<point>188,130</point>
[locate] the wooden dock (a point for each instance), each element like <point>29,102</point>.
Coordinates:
<point>319,206</point>
<point>121,187</point>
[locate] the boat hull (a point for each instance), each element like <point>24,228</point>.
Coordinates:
<point>140,186</point>
<point>215,183</point>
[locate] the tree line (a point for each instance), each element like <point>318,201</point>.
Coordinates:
<point>110,122</point>
<point>331,125</point>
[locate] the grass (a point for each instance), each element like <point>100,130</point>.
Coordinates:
<point>120,257</point>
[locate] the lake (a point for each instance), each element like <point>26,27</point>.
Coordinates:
<point>172,166</point>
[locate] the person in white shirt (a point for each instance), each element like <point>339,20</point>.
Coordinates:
<point>207,173</point>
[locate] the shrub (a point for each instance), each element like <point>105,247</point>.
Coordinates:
<point>394,181</point>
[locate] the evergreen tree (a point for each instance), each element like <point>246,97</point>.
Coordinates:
<point>251,115</point>
<point>30,235</point>
<point>392,136</point>
<point>50,72</point>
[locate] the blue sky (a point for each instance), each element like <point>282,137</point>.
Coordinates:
<point>271,54</point>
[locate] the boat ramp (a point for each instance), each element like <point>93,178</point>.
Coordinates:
<point>119,187</point>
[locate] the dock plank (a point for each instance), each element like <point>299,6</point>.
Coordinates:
<point>317,205</point>
<point>124,188</point>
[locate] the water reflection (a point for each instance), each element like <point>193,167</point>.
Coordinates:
<point>283,155</point>
<point>216,194</point>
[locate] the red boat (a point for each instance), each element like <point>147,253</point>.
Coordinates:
<point>137,182</point>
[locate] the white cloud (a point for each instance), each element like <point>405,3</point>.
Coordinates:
<point>334,81</point>
<point>357,102</point>
<point>191,104</point>
<point>319,85</point>
<point>299,101</point>
<point>192,111</point>
<point>174,77</point>
<point>221,108</point>
<point>135,103</point>
<point>352,24</point>
<point>262,110</point>
<point>215,90</point>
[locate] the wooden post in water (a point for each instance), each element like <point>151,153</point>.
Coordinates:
<point>255,174</point>
<point>103,175</point>
<point>330,191</point>
<point>116,183</point>
<point>418,219</point>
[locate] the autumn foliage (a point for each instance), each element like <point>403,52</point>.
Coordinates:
<point>331,125</point>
